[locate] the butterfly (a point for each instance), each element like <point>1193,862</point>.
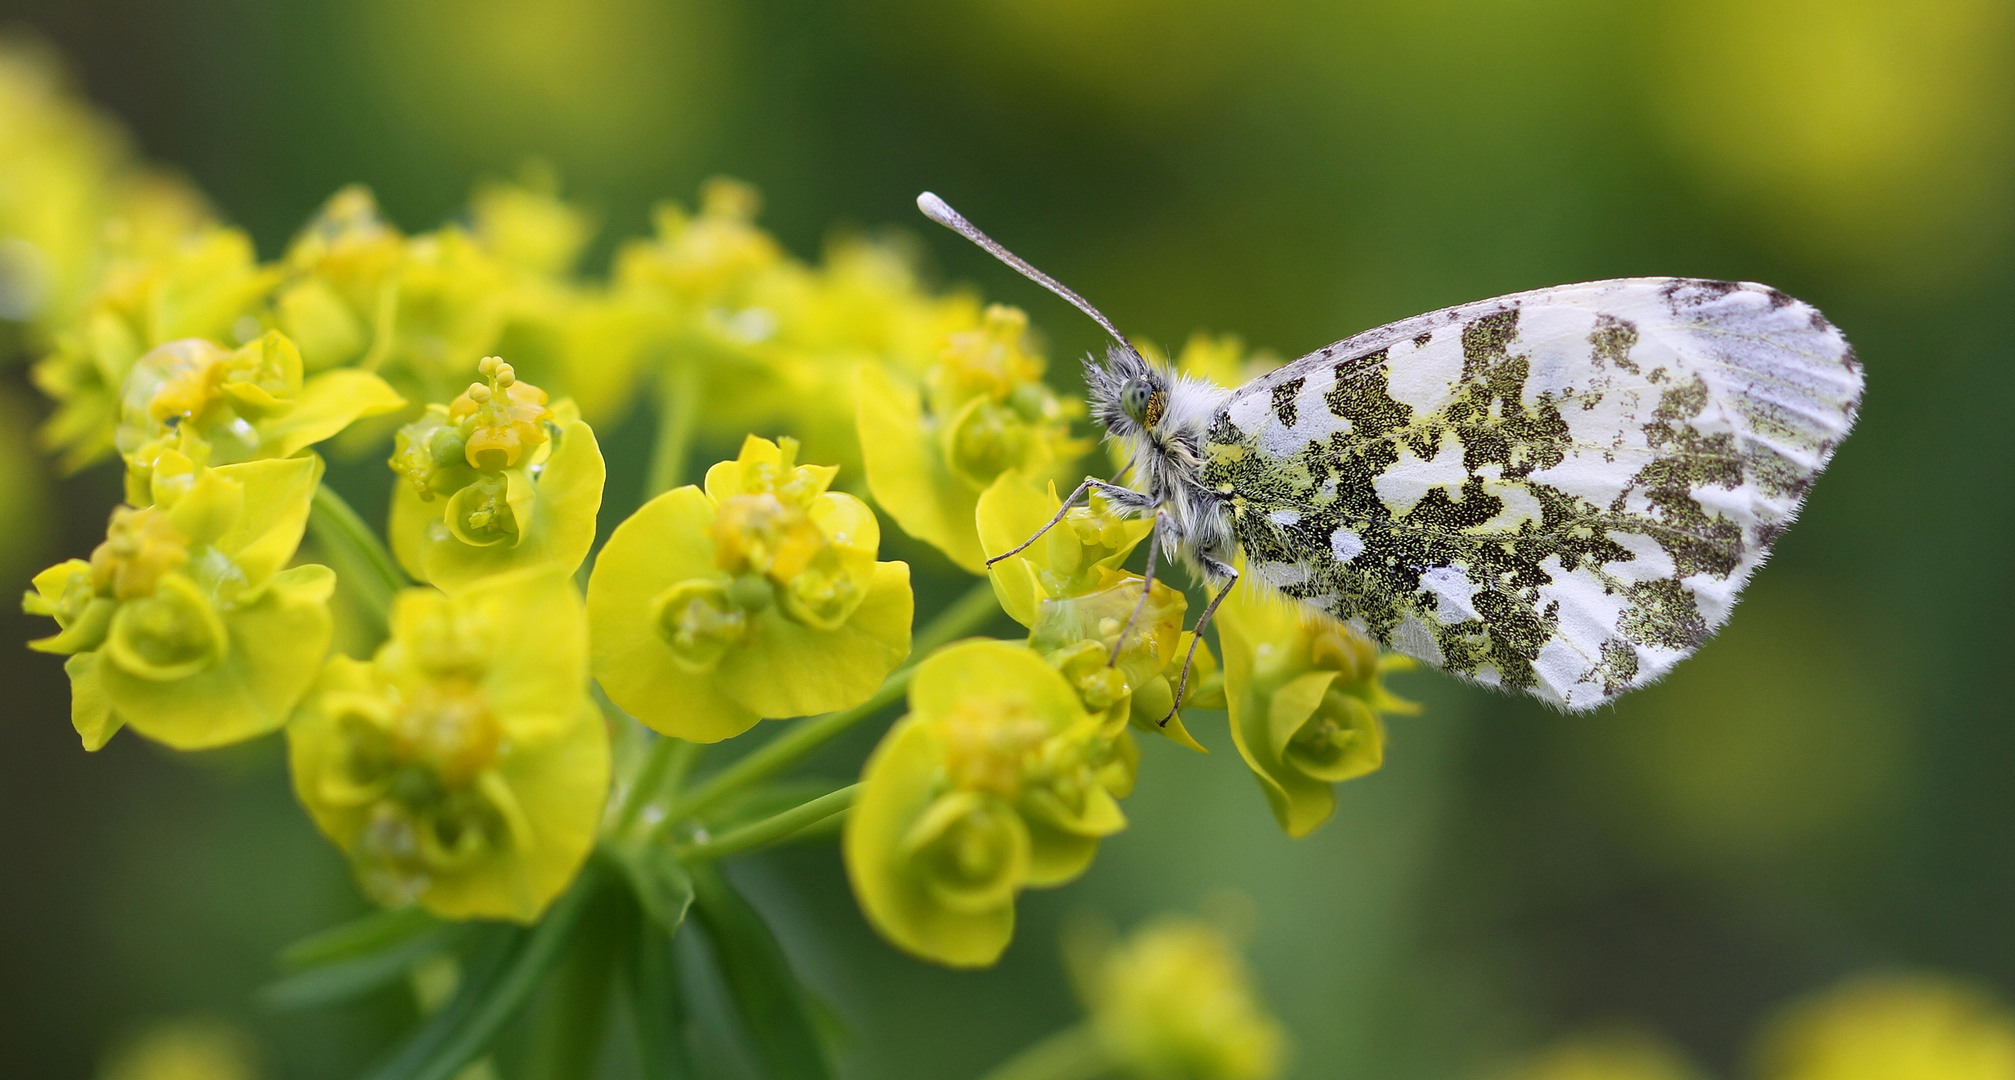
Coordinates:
<point>1559,492</point>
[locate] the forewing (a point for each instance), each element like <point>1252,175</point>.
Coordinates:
<point>1559,491</point>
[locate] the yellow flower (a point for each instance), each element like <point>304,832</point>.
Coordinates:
<point>1892,1027</point>
<point>757,597</point>
<point>1305,693</point>
<point>993,783</point>
<point>463,767</point>
<point>487,486</point>
<point>1610,1055</point>
<point>528,225</point>
<point>206,287</point>
<point>183,623</point>
<point>1176,1001</point>
<point>981,411</point>
<point>1067,588</point>
<point>248,404</point>
<point>189,1049</point>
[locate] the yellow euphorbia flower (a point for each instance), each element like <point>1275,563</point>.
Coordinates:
<point>494,481</point>
<point>1305,693</point>
<point>1067,588</point>
<point>463,767</point>
<point>245,404</point>
<point>1176,1001</point>
<point>1610,1055</point>
<point>183,624</point>
<point>1892,1027</point>
<point>981,411</point>
<point>757,597</point>
<point>992,783</point>
<point>206,287</point>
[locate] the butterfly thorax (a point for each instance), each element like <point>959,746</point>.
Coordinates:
<point>1161,432</point>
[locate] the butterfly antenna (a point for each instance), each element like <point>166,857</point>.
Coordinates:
<point>941,212</point>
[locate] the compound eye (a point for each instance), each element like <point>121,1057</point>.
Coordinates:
<point>1134,398</point>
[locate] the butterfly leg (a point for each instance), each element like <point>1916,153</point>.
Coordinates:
<point>1230,574</point>
<point>1123,495</point>
<point>1146,586</point>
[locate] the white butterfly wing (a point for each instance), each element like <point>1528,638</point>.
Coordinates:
<point>1559,491</point>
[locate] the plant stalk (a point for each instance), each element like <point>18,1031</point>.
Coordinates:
<point>681,385</point>
<point>780,826</point>
<point>1071,1054</point>
<point>364,567</point>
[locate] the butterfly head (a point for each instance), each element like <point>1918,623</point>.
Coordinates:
<point>1129,395</point>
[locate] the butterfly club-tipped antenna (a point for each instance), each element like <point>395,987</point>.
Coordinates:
<point>941,212</point>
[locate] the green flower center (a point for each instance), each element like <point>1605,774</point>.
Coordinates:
<point>971,850</point>
<point>1339,741</point>
<point>984,440</point>
<point>700,620</point>
<point>172,634</point>
<point>480,514</point>
<point>140,547</point>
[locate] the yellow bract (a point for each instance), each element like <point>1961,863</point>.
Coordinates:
<point>1176,1001</point>
<point>1305,693</point>
<point>1608,1055</point>
<point>757,597</point>
<point>1067,588</point>
<point>1892,1027</point>
<point>183,624</point>
<point>996,781</point>
<point>982,410</point>
<point>463,767</point>
<point>488,489</point>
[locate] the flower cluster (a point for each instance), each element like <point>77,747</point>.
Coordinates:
<point>466,768</point>
<point>757,596</point>
<point>494,481</point>
<point>993,783</point>
<point>1175,1000</point>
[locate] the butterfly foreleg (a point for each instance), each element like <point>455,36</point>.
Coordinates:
<point>1124,496</point>
<point>1230,576</point>
<point>1146,586</point>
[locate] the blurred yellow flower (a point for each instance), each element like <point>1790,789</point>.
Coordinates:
<point>210,286</point>
<point>245,404</point>
<point>757,597</point>
<point>1608,1055</point>
<point>183,623</point>
<point>494,481</point>
<point>1305,693</point>
<point>980,411</point>
<point>1175,1001</point>
<point>190,1049</point>
<point>991,784</point>
<point>464,766</point>
<point>1891,1027</point>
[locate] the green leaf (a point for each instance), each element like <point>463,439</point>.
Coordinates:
<point>773,1006</point>
<point>488,998</point>
<point>496,952</point>
<point>662,887</point>
<point>367,934</point>
<point>328,983</point>
<point>656,1012</point>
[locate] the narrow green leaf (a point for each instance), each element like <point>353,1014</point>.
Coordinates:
<point>660,883</point>
<point>341,980</point>
<point>656,1012</point>
<point>490,1005</point>
<point>773,1006</point>
<point>368,934</point>
<point>497,948</point>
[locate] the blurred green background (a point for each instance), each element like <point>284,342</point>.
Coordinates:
<point>1826,789</point>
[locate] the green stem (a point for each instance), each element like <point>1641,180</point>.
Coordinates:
<point>1071,1054</point>
<point>758,834</point>
<point>794,745</point>
<point>800,739</point>
<point>681,386</point>
<point>364,567</point>
<point>667,759</point>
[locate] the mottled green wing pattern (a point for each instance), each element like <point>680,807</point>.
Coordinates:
<point>1560,491</point>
